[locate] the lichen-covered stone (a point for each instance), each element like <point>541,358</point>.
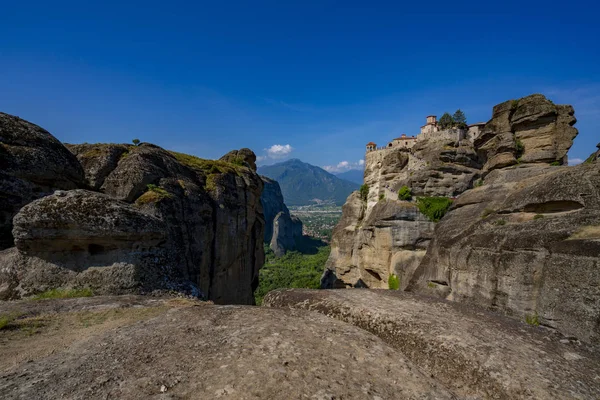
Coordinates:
<point>33,163</point>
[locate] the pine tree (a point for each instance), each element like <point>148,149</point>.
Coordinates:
<point>460,119</point>
<point>446,121</point>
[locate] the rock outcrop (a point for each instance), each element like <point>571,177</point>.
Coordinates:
<point>282,230</point>
<point>473,353</point>
<point>594,156</point>
<point>528,130</point>
<point>368,247</point>
<point>521,239</point>
<point>287,230</point>
<point>33,163</point>
<point>188,350</point>
<point>526,243</point>
<point>200,222</point>
<point>80,238</point>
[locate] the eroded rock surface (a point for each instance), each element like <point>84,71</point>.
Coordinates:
<point>473,353</point>
<point>287,230</point>
<point>156,348</point>
<point>205,215</point>
<point>33,163</point>
<point>528,130</point>
<point>527,243</point>
<point>367,248</point>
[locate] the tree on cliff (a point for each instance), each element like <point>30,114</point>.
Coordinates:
<point>446,121</point>
<point>460,119</point>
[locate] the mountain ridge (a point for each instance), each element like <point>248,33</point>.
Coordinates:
<point>303,184</point>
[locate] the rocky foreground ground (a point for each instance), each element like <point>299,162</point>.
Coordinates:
<point>344,344</point>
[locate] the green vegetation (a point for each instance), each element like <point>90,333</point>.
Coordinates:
<point>7,319</point>
<point>590,159</point>
<point>520,149</point>
<point>381,196</point>
<point>501,222</point>
<point>364,192</point>
<point>154,194</point>
<point>293,270</point>
<point>136,141</point>
<point>434,207</point>
<point>478,182</point>
<point>431,285</point>
<point>394,282</point>
<point>514,104</point>
<point>446,121</point>
<point>239,161</point>
<point>63,294</point>
<point>460,119</point>
<point>405,193</point>
<point>555,163</point>
<point>206,166</point>
<point>538,216</point>
<point>532,320</point>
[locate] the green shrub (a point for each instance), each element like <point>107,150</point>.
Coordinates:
<point>538,216</point>
<point>514,104</point>
<point>239,161</point>
<point>532,320</point>
<point>136,141</point>
<point>520,149</point>
<point>478,182</point>
<point>394,282</point>
<point>381,196</point>
<point>405,193</point>
<point>63,294</point>
<point>364,192</point>
<point>434,207</point>
<point>555,163</point>
<point>501,222</point>
<point>431,285</point>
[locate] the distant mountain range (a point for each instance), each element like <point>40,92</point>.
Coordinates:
<point>304,184</point>
<point>354,175</point>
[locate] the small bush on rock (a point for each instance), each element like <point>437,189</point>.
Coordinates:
<point>532,320</point>
<point>405,193</point>
<point>434,207</point>
<point>394,282</point>
<point>364,192</point>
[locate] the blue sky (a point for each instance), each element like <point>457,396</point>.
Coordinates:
<point>312,80</point>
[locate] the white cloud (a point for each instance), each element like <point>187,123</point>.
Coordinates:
<point>279,151</point>
<point>344,166</point>
<point>575,161</point>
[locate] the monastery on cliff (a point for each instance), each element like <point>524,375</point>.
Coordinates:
<point>431,131</point>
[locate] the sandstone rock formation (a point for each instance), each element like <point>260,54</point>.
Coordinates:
<point>33,163</point>
<point>287,230</point>
<point>528,130</point>
<point>367,248</point>
<point>204,218</point>
<point>526,243</point>
<point>140,348</point>
<point>80,238</point>
<point>594,156</point>
<point>473,353</point>
<point>282,230</point>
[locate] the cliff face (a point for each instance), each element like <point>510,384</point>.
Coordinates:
<point>163,220</point>
<point>33,163</point>
<point>281,228</point>
<point>525,242</point>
